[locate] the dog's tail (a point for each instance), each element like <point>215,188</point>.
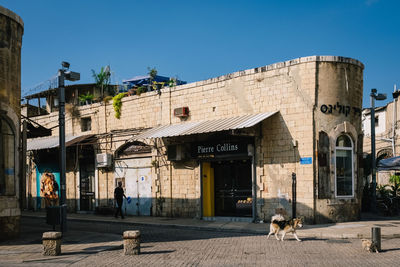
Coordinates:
<point>277,218</point>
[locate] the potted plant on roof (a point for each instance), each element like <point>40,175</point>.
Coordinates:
<point>86,99</point>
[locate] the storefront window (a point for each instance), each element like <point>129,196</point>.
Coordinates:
<point>7,158</point>
<point>344,167</point>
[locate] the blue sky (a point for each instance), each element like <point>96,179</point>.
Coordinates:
<point>197,40</point>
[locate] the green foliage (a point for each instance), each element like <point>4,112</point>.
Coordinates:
<point>87,97</point>
<point>394,179</point>
<point>157,85</point>
<point>141,90</point>
<point>117,104</point>
<point>171,82</point>
<point>102,80</point>
<point>152,72</point>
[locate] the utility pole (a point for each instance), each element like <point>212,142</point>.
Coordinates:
<point>374,96</point>
<point>63,74</point>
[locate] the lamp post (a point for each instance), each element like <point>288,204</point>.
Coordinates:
<point>374,96</point>
<point>63,74</point>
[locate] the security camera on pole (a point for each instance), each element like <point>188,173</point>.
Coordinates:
<point>63,74</point>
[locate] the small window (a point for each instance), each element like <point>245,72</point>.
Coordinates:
<point>376,121</point>
<point>344,167</point>
<point>86,124</point>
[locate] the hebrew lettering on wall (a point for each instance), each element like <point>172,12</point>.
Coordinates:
<point>340,109</point>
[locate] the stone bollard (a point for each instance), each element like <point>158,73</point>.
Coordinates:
<point>131,242</point>
<point>51,243</point>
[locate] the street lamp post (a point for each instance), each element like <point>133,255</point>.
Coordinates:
<point>63,74</point>
<point>374,96</point>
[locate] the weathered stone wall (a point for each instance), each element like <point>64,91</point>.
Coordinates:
<point>338,111</point>
<point>11,31</point>
<point>295,88</point>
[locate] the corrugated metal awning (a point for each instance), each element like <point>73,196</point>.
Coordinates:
<point>53,141</point>
<point>189,128</point>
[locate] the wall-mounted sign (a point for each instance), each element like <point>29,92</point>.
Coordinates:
<point>307,160</point>
<point>215,149</point>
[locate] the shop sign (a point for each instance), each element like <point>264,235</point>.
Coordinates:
<point>210,150</point>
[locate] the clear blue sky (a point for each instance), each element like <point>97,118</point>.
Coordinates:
<point>197,40</point>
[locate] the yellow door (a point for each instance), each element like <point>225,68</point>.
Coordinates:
<point>208,190</point>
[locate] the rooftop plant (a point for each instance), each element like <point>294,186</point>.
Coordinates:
<point>102,80</point>
<point>86,97</point>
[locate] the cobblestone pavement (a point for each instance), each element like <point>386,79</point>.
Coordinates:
<point>166,246</point>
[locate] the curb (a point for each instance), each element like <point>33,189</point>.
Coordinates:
<point>320,235</point>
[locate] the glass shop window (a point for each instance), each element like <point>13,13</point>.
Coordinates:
<point>344,167</point>
<point>7,158</point>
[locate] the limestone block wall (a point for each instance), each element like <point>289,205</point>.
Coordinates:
<point>296,88</point>
<point>339,104</point>
<point>11,31</point>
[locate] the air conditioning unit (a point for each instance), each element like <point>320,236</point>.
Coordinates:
<point>176,152</point>
<point>103,160</point>
<point>181,112</point>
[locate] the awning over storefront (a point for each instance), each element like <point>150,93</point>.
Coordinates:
<point>53,141</point>
<point>189,128</point>
<point>390,164</point>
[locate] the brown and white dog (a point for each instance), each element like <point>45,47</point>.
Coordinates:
<point>279,224</point>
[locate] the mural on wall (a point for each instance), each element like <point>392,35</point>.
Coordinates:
<point>48,189</point>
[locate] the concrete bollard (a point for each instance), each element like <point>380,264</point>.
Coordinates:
<point>376,237</point>
<point>131,242</point>
<point>51,243</point>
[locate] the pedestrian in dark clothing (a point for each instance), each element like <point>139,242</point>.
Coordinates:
<point>118,196</point>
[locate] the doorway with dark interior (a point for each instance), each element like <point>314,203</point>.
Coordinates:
<point>233,188</point>
<point>86,179</point>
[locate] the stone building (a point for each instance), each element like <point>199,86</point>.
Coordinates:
<point>229,147</point>
<point>387,139</point>
<point>11,31</point>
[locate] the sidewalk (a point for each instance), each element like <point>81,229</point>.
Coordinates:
<point>390,227</point>
<point>80,244</point>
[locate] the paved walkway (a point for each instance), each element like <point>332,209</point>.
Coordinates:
<point>390,227</point>
<point>80,246</point>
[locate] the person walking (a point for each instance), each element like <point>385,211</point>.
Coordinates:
<point>118,196</point>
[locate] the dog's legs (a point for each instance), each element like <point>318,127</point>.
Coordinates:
<point>283,235</point>
<point>276,235</point>
<point>296,236</point>
<point>270,233</point>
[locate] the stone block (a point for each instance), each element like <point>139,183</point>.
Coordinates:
<point>131,242</point>
<point>51,243</point>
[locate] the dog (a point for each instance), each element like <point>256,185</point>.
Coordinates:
<point>369,246</point>
<point>279,224</point>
